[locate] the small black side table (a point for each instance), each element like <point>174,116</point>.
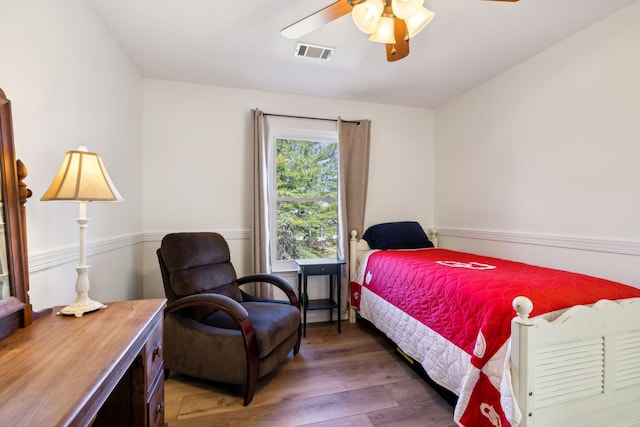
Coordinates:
<point>331,267</point>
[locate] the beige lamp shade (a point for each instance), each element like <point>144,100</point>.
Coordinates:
<point>366,15</point>
<point>403,9</point>
<point>82,177</point>
<point>418,21</point>
<point>384,32</point>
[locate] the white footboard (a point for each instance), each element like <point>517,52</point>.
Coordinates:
<point>582,369</point>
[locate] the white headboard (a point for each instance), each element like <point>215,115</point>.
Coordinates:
<point>358,246</point>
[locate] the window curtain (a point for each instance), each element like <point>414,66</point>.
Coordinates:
<point>260,234</point>
<point>353,145</point>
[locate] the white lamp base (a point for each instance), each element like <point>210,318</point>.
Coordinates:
<point>81,307</point>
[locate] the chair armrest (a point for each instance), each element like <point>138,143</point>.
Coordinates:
<point>221,302</point>
<point>278,281</point>
<point>240,316</point>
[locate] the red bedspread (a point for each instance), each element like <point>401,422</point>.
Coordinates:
<point>467,299</point>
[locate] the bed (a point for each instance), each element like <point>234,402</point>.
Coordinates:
<point>519,345</point>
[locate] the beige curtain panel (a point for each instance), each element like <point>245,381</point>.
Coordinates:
<point>353,142</point>
<point>260,235</point>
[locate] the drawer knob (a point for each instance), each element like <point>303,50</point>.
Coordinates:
<point>160,408</point>
<point>157,352</point>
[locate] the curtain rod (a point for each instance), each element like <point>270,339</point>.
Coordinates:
<point>311,118</point>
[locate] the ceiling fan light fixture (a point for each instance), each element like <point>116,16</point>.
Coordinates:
<point>418,21</point>
<point>403,9</point>
<point>366,15</point>
<point>385,32</point>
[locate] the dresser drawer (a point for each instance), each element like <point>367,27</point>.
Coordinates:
<point>155,407</point>
<point>153,356</point>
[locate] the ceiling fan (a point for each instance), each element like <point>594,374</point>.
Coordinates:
<point>392,22</point>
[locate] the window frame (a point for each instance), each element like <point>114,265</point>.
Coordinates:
<point>301,134</point>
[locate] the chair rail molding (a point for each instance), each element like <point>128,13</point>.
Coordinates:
<point>57,256</point>
<point>54,257</point>
<point>156,236</point>
<point>624,247</point>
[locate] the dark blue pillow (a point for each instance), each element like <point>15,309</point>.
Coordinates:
<point>397,235</point>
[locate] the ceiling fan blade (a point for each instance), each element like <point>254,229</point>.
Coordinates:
<point>317,20</point>
<point>400,49</point>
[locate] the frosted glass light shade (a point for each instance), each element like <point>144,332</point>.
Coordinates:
<point>366,15</point>
<point>418,21</point>
<point>82,177</point>
<point>384,32</point>
<point>403,9</point>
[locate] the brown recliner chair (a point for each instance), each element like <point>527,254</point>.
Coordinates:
<point>214,330</point>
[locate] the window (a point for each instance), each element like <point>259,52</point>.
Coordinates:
<point>303,196</point>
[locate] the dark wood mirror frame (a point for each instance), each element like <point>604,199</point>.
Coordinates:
<point>15,311</point>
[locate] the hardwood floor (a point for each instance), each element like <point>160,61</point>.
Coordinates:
<point>350,379</point>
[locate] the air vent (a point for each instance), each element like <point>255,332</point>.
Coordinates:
<point>314,52</point>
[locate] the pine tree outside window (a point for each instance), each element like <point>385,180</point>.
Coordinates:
<point>303,196</point>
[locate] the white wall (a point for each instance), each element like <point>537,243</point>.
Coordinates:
<point>548,152</point>
<point>70,84</point>
<point>548,149</point>
<point>197,161</point>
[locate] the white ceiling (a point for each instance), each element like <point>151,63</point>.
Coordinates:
<point>238,44</point>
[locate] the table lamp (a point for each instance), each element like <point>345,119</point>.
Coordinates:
<point>82,178</point>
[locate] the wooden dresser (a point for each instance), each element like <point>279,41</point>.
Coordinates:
<point>102,369</point>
